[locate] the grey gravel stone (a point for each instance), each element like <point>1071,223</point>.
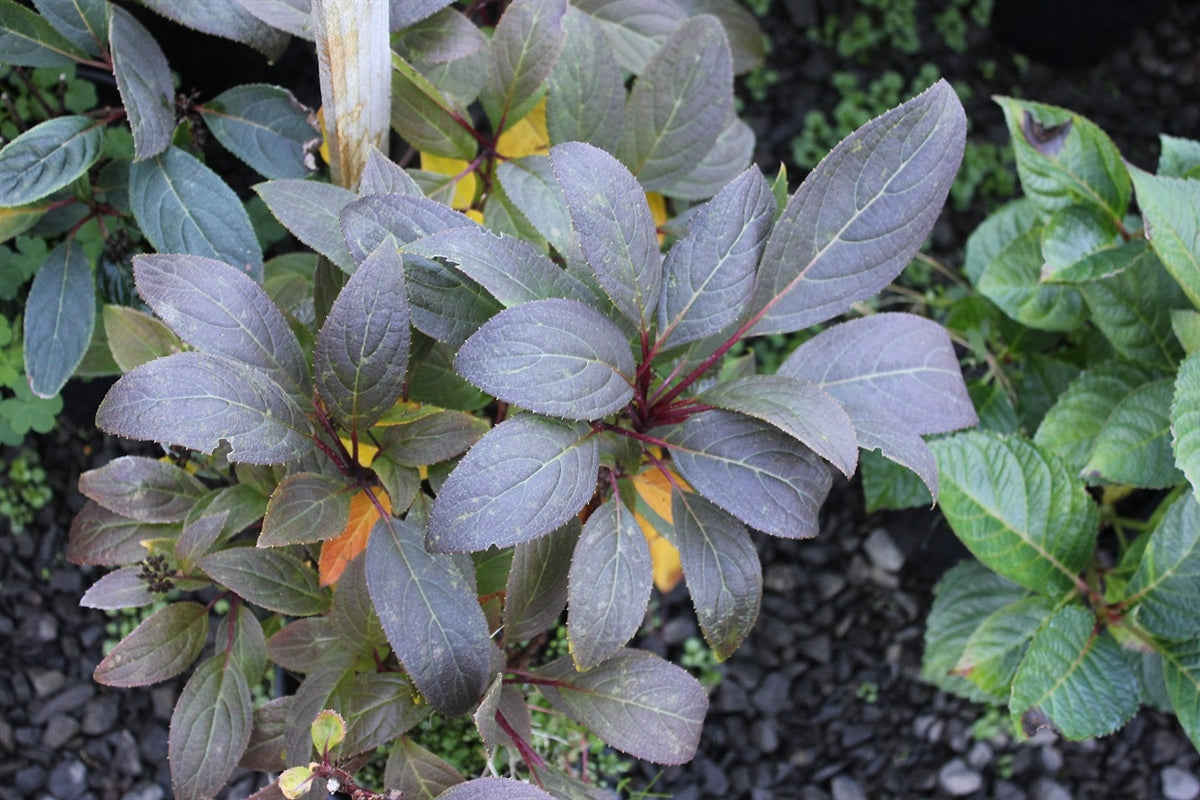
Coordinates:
<point>980,755</point>
<point>46,682</point>
<point>100,715</point>
<point>1179,784</point>
<point>1046,789</point>
<point>772,696</point>
<point>959,780</point>
<point>59,730</point>
<point>882,550</point>
<point>145,791</point>
<point>68,779</point>
<point>846,788</point>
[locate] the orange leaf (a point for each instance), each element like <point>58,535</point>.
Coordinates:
<point>338,552</point>
<point>654,512</point>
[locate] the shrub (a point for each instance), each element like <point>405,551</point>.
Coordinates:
<point>1077,496</point>
<point>391,465</point>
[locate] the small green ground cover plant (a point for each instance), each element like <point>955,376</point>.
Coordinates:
<point>1077,495</point>
<point>391,464</point>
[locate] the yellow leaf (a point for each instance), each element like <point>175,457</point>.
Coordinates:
<point>653,514</point>
<point>366,451</point>
<point>338,552</point>
<point>324,148</point>
<point>526,137</point>
<point>658,209</point>
<point>464,190</point>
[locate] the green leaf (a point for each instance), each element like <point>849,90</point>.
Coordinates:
<point>428,608</point>
<point>1181,670</point>
<point>636,702</point>
<point>431,439</point>
<point>1081,413</point>
<point>197,400</point>
<point>199,536</point>
<point>99,536</point>
<point>1164,586</point>
<point>1185,419</point>
<point>966,596</point>
<point>354,620</point>
<point>585,98</point>
<point>1133,448</point>
<point>556,357</point>
<point>709,273</point>
<point>721,566</point>
<point>1074,233</point>
<point>861,214</point>
<point>266,127</point>
<point>426,118</point>
<point>361,353</point>
<point>144,81</point>
<point>754,471</point>
<point>1018,508</point>
<point>227,19</point>
<point>160,647</point>
<point>994,650</point>
<point>1009,222</point>
<point>305,507</point>
<point>27,40</point>
<point>796,407</point>
<point>277,580</point>
<point>1133,308</point>
<point>220,311</point>
<point>1074,678</point>
<point>1171,213</point>
<point>247,644</point>
<point>135,337</point>
<point>183,207</point>
<point>536,592</point>
<point>380,708</point>
<point>432,379</point>
<point>526,43</point>
<point>310,210</point>
<point>445,305</point>
<point>510,269</point>
<point>678,104</point>
<point>1178,158</point>
<point>209,729</point>
<point>417,773</point>
<point>1064,159</point>
<point>83,22</point>
<point>530,184</point>
<point>525,478</point>
<point>1012,280</point>
<point>60,314</point>
<point>616,230</point>
<point>609,584</point>
<point>144,489</point>
<point>494,788</point>
<point>48,157</point>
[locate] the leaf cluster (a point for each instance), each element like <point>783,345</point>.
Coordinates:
<point>1077,498</point>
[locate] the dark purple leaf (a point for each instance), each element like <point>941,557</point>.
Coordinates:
<point>305,507</point>
<point>162,646</point>
<point>277,580</point>
<point>536,592</point>
<point>210,728</point>
<point>144,489</point>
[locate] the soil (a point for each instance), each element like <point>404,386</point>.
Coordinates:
<point>824,700</point>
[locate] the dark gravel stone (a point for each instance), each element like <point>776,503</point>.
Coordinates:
<point>68,779</point>
<point>100,715</point>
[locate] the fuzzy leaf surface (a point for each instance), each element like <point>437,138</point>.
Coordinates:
<point>1164,585</point>
<point>1017,508</point>
<point>277,580</point>
<point>369,221</point>
<point>531,185</point>
<point>210,728</point>
<point>1134,446</point>
<point>494,789</point>
<point>418,773</point>
<point>1170,209</point>
<point>144,489</point>
<point>1185,419</point>
<point>635,31</point>
<point>47,157</point>
<point>635,701</point>
<point>527,41</point>
<point>305,507</point>
<point>445,304</point>
<point>431,439</point>
<point>526,477</point>
<point>227,19</point>
<point>1181,671</point>
<point>732,152</point>
<point>424,117</point>
<point>709,273</point>
<point>802,410</point>
<point>1074,677</point>
<point>426,603</point>
<point>310,210</point>
<point>585,99</point>
<point>964,598</point>
<point>265,126</point>
<point>60,314</point>
<point>556,357</point>
<point>83,22</point>
<point>101,537</point>
<point>678,104</point>
<point>994,650</point>
<point>28,40</point>
<point>722,569</point>
<point>1013,281</point>
<point>754,471</point>
<point>196,400</point>
<point>121,588</point>
<point>160,647</point>
<point>219,310</point>
<point>616,229</point>
<point>361,354</point>
<point>381,175</point>
<point>536,591</point>
<point>183,207</point>
<point>144,81</point>
<point>609,585</point>
<point>861,214</point>
<point>1064,159</point>
<point>135,337</point>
